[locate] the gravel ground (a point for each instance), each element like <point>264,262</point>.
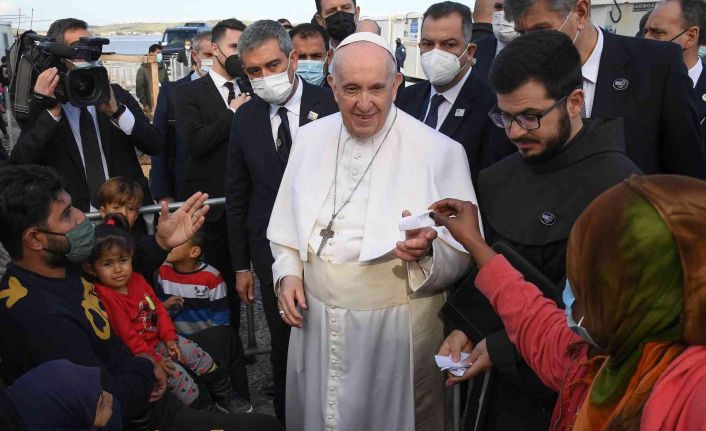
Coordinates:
<point>259,373</point>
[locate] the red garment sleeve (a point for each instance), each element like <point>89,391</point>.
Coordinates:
<point>121,322</point>
<point>534,323</point>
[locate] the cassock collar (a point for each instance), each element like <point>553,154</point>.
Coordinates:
<point>595,137</point>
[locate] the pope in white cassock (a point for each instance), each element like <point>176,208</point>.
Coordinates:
<point>362,296</point>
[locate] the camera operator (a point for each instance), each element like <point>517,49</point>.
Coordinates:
<point>86,145</point>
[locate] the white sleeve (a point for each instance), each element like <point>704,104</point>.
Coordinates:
<point>287,262</point>
<point>126,122</point>
<point>446,266</point>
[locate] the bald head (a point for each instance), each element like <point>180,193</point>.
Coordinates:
<point>364,80</point>
<point>370,26</point>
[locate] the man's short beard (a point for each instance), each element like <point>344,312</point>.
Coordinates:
<point>55,253</point>
<point>556,144</point>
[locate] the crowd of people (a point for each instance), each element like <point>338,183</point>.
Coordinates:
<point>532,211</point>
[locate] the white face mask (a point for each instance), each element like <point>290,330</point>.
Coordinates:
<point>273,89</point>
<point>503,30</point>
<point>441,67</point>
<point>206,65</point>
<point>564,23</point>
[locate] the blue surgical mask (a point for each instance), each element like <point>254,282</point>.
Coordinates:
<point>159,57</point>
<point>569,299</point>
<point>312,71</point>
<point>702,51</point>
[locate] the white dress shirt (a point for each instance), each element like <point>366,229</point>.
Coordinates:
<point>126,123</point>
<point>695,72</point>
<point>293,106</point>
<point>221,86</point>
<point>589,70</point>
<point>450,97</point>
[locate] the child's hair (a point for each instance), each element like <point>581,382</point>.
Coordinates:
<point>113,232</point>
<point>120,190</point>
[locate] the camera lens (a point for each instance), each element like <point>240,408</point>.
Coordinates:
<point>88,86</point>
<point>83,86</point>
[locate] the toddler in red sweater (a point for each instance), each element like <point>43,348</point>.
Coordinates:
<point>141,321</point>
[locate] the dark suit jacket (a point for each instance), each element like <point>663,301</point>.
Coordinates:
<point>700,91</point>
<point>254,174</point>
<point>203,121</point>
<point>646,83</point>
<point>51,143</point>
<point>485,54</point>
<point>484,142</point>
<point>168,166</point>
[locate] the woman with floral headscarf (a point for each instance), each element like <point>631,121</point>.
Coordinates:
<point>633,354</point>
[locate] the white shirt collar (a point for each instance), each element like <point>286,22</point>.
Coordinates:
<point>452,93</point>
<point>218,79</point>
<point>293,103</point>
<point>589,70</point>
<point>695,72</point>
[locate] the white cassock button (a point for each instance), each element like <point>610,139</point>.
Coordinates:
<point>332,242</point>
<point>333,320</point>
<point>333,334</point>
<point>330,417</point>
<point>333,348</point>
<point>354,172</point>
<point>332,389</point>
<point>357,155</point>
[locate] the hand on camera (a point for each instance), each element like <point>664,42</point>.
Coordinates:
<point>110,107</point>
<point>46,87</point>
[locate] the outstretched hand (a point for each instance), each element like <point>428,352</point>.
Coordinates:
<point>462,221</point>
<point>178,227</point>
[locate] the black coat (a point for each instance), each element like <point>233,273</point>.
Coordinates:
<point>254,175</point>
<point>514,196</point>
<point>168,166</point>
<point>484,142</point>
<point>50,143</point>
<point>485,54</point>
<point>203,121</point>
<point>662,133</point>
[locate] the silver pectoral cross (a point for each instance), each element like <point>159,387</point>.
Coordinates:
<point>326,234</point>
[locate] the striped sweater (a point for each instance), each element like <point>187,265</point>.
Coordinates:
<point>204,293</point>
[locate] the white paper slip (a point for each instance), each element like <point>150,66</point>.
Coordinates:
<point>456,368</point>
<point>417,221</point>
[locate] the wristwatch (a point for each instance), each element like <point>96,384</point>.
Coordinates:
<point>121,108</point>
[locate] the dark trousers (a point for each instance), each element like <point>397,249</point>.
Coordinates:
<point>170,415</point>
<point>217,253</point>
<point>225,347</point>
<point>279,334</point>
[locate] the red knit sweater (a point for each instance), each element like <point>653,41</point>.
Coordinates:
<point>139,318</point>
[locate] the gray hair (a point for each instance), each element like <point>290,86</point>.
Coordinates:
<point>514,9</point>
<point>335,61</point>
<point>444,9</point>
<point>260,32</point>
<point>201,37</point>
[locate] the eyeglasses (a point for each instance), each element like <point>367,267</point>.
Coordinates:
<point>526,121</point>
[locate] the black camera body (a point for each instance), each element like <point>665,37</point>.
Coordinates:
<point>84,84</point>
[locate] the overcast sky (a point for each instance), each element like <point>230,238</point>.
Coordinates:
<point>100,12</point>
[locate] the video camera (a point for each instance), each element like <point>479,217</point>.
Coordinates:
<point>84,84</point>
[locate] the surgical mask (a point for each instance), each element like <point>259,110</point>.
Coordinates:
<point>503,30</point>
<point>702,51</point>
<point>159,57</point>
<point>206,65</point>
<point>441,67</point>
<point>567,20</point>
<point>81,241</point>
<point>312,71</point>
<point>569,299</point>
<point>187,47</point>
<point>273,89</point>
<point>340,25</point>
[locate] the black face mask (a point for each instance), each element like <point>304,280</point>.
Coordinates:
<point>340,25</point>
<point>234,67</point>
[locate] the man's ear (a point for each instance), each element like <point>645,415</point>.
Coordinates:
<point>574,102</point>
<point>320,20</point>
<point>31,239</point>
<point>583,12</point>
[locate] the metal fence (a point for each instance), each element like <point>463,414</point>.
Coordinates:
<point>150,210</point>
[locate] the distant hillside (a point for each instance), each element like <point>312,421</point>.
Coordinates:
<point>142,27</point>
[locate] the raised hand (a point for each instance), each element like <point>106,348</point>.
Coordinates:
<point>178,227</point>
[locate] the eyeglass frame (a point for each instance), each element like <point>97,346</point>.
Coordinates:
<point>538,115</point>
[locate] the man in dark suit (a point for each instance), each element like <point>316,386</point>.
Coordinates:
<point>684,23</point>
<point>260,140</point>
<point>168,167</point>
<point>86,145</point>
<point>204,112</point>
<point>455,101</point>
<point>642,81</point>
